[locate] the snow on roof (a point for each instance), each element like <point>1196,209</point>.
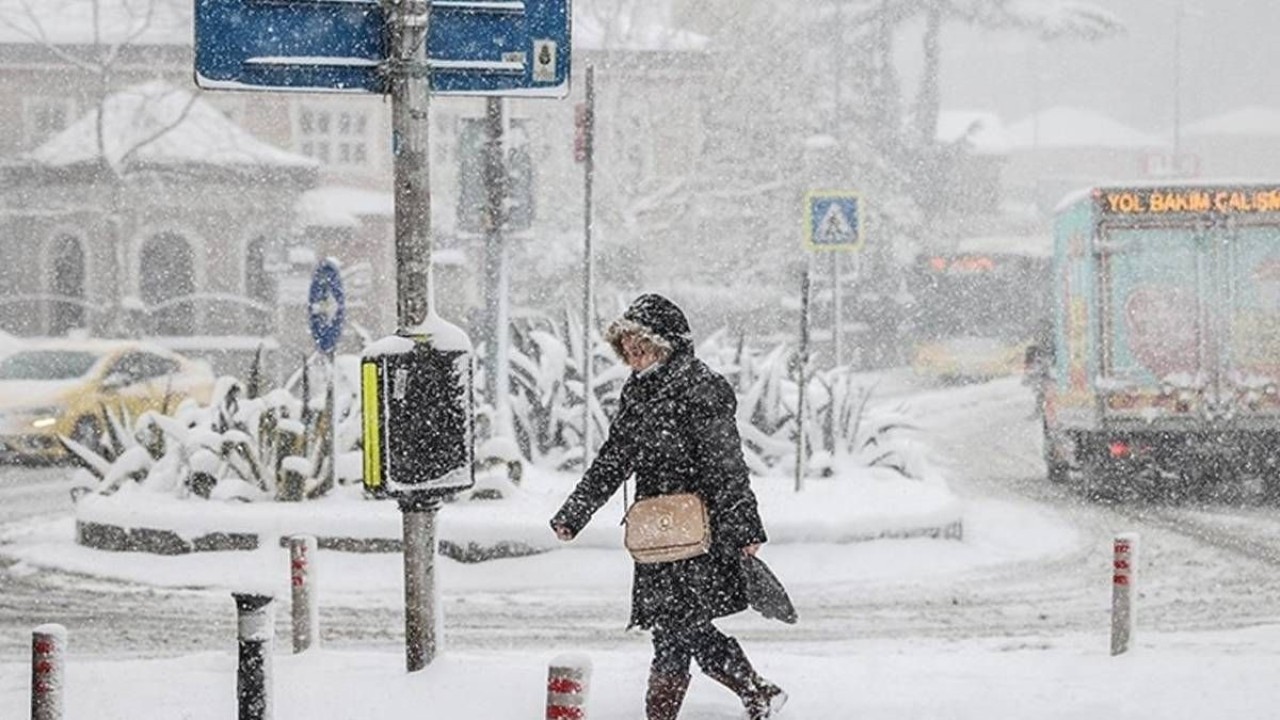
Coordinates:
<point>982,131</point>
<point>336,206</point>
<point>158,124</point>
<point>1067,127</point>
<point>71,22</point>
<point>1253,120</point>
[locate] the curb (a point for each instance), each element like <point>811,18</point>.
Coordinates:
<point>114,538</point>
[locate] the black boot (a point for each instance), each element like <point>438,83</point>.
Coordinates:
<point>761,698</point>
<point>665,695</point>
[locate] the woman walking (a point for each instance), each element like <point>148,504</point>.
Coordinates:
<point>676,432</point>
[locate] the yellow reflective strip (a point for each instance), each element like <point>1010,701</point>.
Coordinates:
<point>372,438</point>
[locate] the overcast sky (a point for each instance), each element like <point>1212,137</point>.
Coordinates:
<point>1230,58</point>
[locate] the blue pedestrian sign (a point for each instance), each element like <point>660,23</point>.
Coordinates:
<point>474,47</point>
<point>832,220</point>
<point>326,305</point>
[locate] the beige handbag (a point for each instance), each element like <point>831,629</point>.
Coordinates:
<point>667,528</point>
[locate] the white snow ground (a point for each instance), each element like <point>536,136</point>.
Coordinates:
<point>1019,674</point>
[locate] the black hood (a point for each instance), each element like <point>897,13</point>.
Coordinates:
<point>663,317</point>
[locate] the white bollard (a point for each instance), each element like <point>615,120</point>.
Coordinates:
<point>568,680</point>
<point>305,609</point>
<point>1123,579</point>
<point>48,644</point>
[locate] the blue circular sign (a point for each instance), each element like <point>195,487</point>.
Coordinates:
<point>326,305</point>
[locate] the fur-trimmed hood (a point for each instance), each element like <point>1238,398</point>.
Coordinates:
<point>656,318</point>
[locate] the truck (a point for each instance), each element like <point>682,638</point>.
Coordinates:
<point>1160,363</point>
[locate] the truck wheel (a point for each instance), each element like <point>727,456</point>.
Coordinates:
<point>1058,470</point>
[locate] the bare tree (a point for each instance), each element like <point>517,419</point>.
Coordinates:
<point>100,45</point>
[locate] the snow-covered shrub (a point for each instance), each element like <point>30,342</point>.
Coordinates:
<point>547,390</point>
<point>238,446</point>
<point>842,425</point>
<point>273,447</point>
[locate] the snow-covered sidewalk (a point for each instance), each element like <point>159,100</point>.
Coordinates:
<point>1167,677</point>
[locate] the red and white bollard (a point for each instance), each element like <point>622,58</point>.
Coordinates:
<point>1123,578</point>
<point>305,610</point>
<point>48,644</point>
<point>568,680</point>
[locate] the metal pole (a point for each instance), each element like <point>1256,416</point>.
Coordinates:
<point>409,85</point>
<point>419,532</point>
<point>407,70</point>
<point>255,631</point>
<point>330,412</point>
<point>804,361</point>
<point>1177,82</point>
<point>304,609</point>
<point>837,308</point>
<point>492,220</point>
<point>589,160</point>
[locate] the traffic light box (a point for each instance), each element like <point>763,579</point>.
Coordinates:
<point>418,413</point>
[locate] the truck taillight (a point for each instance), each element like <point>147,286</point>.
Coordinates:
<point>1118,449</point>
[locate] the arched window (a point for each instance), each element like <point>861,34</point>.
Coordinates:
<point>66,309</point>
<point>167,283</point>
<point>259,286</point>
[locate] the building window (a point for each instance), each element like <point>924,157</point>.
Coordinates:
<point>44,117</point>
<point>67,309</point>
<point>168,285</point>
<point>259,286</point>
<point>333,136</point>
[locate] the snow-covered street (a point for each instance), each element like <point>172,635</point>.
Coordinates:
<point>1025,595</point>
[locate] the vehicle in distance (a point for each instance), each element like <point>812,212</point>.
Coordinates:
<point>51,389</point>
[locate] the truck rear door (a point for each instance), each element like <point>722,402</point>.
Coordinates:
<point>1158,305</point>
<point>1251,352</point>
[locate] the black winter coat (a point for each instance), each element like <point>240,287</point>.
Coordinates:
<point>676,431</point>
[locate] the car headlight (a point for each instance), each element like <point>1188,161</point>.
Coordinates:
<point>45,417</point>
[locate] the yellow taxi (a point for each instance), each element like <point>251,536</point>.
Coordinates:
<point>59,388</point>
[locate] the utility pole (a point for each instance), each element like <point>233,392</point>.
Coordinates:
<point>588,131</point>
<point>409,82</point>
<point>497,190</point>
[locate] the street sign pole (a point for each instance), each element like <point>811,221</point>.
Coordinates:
<point>837,309</point>
<point>475,47</point>
<point>588,131</point>
<point>326,310</point>
<point>408,78</point>
<point>496,186</point>
<point>833,222</point>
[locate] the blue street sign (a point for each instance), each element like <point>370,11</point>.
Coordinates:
<point>833,221</point>
<point>326,305</point>
<point>474,47</point>
<point>258,44</point>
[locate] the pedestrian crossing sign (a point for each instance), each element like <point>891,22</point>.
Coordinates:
<point>832,220</point>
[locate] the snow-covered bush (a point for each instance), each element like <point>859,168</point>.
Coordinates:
<point>547,396</point>
<point>273,447</point>
<point>842,425</point>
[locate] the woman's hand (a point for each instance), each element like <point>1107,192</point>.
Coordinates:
<point>751,549</point>
<point>563,533</point>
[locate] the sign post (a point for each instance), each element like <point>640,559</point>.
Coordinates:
<point>408,49</point>
<point>584,152</point>
<point>833,221</point>
<point>327,310</point>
